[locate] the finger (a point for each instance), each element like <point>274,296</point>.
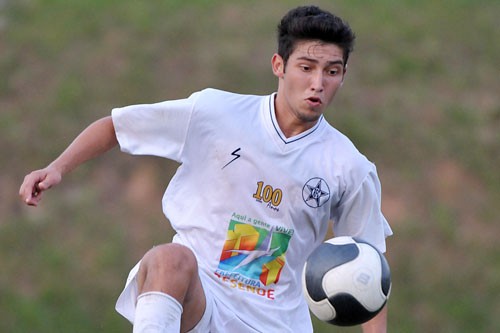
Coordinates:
<point>25,190</point>
<point>30,188</point>
<point>32,197</point>
<point>35,196</point>
<point>33,201</point>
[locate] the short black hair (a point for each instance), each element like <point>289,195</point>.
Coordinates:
<point>312,23</point>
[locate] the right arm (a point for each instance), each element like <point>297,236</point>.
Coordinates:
<point>95,140</point>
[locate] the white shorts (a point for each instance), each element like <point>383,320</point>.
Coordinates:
<point>125,305</point>
<point>216,319</point>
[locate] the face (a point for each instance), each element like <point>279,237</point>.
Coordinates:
<point>307,83</point>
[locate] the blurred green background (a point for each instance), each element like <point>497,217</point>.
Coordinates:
<point>421,100</point>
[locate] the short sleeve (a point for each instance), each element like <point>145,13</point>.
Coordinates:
<point>158,129</point>
<point>360,215</point>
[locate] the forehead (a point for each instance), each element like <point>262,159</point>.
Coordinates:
<point>318,51</point>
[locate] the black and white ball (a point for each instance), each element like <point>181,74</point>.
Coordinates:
<point>346,281</point>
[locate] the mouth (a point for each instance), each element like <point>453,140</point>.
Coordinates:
<point>314,101</point>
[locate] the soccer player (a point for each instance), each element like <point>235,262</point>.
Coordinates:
<point>260,178</point>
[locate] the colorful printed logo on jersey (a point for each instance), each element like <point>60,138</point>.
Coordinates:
<point>254,252</point>
<point>315,192</point>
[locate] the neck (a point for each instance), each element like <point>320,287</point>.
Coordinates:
<point>288,122</point>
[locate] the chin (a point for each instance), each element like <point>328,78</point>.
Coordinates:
<point>310,117</point>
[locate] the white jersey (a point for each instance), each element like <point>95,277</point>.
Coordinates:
<point>251,203</point>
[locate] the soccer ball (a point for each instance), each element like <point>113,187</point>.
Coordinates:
<point>346,281</point>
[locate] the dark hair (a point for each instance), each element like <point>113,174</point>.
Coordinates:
<point>313,23</point>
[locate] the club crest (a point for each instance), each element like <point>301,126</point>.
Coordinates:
<point>315,192</point>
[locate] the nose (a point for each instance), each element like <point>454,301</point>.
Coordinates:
<point>317,81</point>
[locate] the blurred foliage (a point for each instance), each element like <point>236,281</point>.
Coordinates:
<point>421,100</point>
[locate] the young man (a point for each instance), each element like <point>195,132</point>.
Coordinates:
<point>259,181</point>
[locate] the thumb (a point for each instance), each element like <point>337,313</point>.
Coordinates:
<point>49,181</point>
<point>42,186</point>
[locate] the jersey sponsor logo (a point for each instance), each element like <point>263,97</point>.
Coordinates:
<point>268,195</point>
<point>316,192</point>
<point>236,156</point>
<point>253,255</point>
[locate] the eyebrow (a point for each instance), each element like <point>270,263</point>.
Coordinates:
<point>329,63</point>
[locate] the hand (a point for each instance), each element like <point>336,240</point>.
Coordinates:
<point>36,183</point>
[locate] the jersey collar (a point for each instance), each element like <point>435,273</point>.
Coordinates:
<point>277,129</point>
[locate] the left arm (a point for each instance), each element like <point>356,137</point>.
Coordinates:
<point>360,215</point>
<point>378,324</point>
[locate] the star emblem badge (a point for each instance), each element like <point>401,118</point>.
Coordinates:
<point>315,192</point>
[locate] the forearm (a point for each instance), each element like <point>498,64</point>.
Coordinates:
<point>378,324</point>
<point>93,141</point>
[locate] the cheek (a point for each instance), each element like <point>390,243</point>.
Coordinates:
<point>300,81</point>
<point>294,83</point>
<point>332,91</point>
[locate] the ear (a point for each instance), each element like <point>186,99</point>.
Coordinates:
<point>343,76</point>
<point>278,65</point>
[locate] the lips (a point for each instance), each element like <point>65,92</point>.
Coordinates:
<point>315,101</point>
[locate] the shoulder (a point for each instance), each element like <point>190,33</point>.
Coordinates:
<point>340,143</point>
<point>222,97</point>
<point>343,154</point>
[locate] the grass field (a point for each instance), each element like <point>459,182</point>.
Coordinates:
<point>421,100</point>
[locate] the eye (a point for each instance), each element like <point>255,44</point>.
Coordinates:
<point>333,71</point>
<point>305,68</point>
